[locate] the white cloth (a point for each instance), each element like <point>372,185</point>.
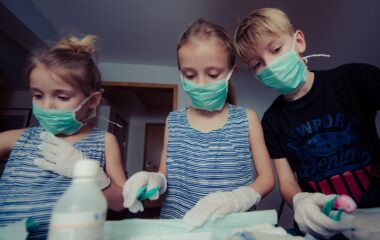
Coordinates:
<point>310,219</point>
<point>217,204</point>
<point>131,188</point>
<point>60,157</point>
<point>366,225</point>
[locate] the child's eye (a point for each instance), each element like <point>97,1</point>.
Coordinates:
<point>37,96</point>
<point>255,66</point>
<point>214,76</point>
<point>188,77</point>
<point>64,98</point>
<point>277,50</point>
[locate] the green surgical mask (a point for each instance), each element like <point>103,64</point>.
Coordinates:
<point>210,97</point>
<point>286,74</point>
<point>61,121</point>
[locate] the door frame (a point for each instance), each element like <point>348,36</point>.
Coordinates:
<point>174,87</point>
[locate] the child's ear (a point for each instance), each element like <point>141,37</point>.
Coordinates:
<point>300,42</point>
<point>95,100</point>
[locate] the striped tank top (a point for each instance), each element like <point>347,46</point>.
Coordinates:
<point>199,163</point>
<point>28,191</point>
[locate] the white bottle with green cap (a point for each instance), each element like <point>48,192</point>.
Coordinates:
<point>80,213</point>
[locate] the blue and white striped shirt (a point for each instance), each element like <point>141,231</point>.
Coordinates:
<point>199,163</point>
<point>28,191</point>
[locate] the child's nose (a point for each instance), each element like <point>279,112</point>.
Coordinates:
<point>47,103</point>
<point>268,59</point>
<point>201,80</point>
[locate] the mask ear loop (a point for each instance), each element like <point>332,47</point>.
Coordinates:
<point>93,113</point>
<point>306,58</point>
<point>107,120</point>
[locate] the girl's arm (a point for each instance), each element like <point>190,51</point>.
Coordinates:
<point>265,181</point>
<point>162,168</point>
<point>115,171</point>
<point>7,140</point>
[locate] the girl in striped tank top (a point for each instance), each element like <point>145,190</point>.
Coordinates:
<point>214,159</point>
<point>65,83</point>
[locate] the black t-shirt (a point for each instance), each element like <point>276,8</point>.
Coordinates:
<point>329,135</point>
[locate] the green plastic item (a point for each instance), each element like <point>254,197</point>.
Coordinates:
<point>31,224</point>
<point>329,206</point>
<point>142,194</point>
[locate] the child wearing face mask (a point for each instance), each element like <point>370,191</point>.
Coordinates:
<point>214,160</point>
<point>65,82</point>
<point>322,127</point>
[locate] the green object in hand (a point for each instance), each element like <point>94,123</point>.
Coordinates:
<point>142,194</point>
<point>31,224</point>
<point>328,207</point>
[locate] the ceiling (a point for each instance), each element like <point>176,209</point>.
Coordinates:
<point>146,31</point>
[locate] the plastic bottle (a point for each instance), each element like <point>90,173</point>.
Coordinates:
<point>80,213</point>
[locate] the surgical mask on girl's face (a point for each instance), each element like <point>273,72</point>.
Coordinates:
<point>286,74</point>
<point>211,96</point>
<point>62,121</point>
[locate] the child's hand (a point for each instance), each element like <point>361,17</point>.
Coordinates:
<point>142,180</point>
<point>310,219</point>
<point>60,157</point>
<point>217,204</point>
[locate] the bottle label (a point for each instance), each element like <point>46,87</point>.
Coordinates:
<point>77,220</point>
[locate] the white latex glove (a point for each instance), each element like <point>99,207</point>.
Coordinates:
<point>217,204</point>
<point>311,220</point>
<point>139,180</point>
<point>60,157</point>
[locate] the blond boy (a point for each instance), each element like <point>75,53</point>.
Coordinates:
<point>322,126</point>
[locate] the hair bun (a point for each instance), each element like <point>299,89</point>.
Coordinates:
<point>77,45</point>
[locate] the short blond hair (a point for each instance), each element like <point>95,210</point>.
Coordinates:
<point>254,30</point>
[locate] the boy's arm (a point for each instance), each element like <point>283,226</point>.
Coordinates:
<point>115,171</point>
<point>307,206</point>
<point>7,140</point>
<point>287,181</point>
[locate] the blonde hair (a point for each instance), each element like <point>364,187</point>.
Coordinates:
<point>254,30</point>
<point>202,28</point>
<point>71,59</point>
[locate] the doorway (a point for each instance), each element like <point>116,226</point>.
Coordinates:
<point>137,114</point>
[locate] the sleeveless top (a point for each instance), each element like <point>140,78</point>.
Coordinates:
<point>28,191</point>
<point>199,163</point>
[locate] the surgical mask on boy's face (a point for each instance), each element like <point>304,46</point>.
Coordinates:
<point>286,74</point>
<point>210,96</point>
<point>62,121</point>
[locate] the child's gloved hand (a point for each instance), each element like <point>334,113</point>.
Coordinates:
<point>142,180</point>
<point>310,219</point>
<point>60,157</point>
<point>217,204</point>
